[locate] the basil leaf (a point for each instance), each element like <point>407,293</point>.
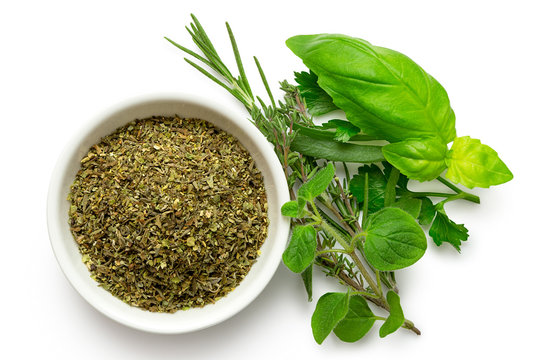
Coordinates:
<point>382,91</point>
<point>317,184</point>
<point>357,322</point>
<point>317,100</point>
<point>427,212</point>
<point>306,276</point>
<point>396,316</point>
<point>301,250</point>
<point>344,129</point>
<point>376,187</point>
<point>336,151</point>
<point>394,240</point>
<point>417,159</point>
<point>444,229</point>
<point>410,205</point>
<point>330,309</point>
<point>474,164</point>
<point>290,209</point>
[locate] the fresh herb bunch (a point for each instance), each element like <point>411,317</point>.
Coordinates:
<point>362,228</point>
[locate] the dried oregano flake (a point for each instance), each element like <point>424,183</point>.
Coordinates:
<point>168,213</point>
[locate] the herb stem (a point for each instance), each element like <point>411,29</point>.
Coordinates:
<point>467,196</point>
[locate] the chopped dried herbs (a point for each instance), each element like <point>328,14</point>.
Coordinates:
<point>168,213</point>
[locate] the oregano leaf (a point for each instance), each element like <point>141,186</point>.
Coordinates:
<point>317,184</point>
<point>290,209</point>
<point>410,205</point>
<point>357,322</point>
<point>330,309</point>
<point>394,240</point>
<point>307,280</point>
<point>396,316</point>
<point>301,249</point>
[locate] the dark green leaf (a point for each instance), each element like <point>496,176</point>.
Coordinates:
<point>290,209</point>
<point>344,129</point>
<point>317,100</point>
<point>418,159</point>
<point>301,250</point>
<point>376,187</point>
<point>474,164</point>
<point>330,309</point>
<point>396,317</point>
<point>410,205</point>
<point>317,184</point>
<point>383,92</point>
<point>307,280</point>
<point>428,210</point>
<point>444,229</point>
<point>357,321</point>
<point>336,151</point>
<point>394,240</point>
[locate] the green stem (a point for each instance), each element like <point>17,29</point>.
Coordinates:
<point>467,195</point>
<point>332,251</point>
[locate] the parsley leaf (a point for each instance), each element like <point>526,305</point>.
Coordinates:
<point>317,100</point>
<point>376,187</point>
<point>444,229</point>
<point>344,129</point>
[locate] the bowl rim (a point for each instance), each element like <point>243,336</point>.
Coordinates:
<point>94,122</point>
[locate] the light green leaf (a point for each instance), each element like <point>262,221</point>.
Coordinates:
<point>418,159</point>
<point>382,91</point>
<point>396,316</point>
<point>330,309</point>
<point>473,164</point>
<point>410,205</point>
<point>301,250</point>
<point>357,322</point>
<point>394,240</point>
<point>290,209</point>
<point>317,184</point>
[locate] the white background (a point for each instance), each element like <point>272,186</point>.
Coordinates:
<point>62,62</point>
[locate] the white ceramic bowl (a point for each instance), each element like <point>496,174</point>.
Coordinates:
<point>68,255</point>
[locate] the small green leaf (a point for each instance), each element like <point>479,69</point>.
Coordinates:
<point>344,129</point>
<point>410,205</point>
<point>290,208</point>
<point>428,210</point>
<point>357,322</point>
<point>317,100</point>
<point>307,280</point>
<point>396,316</point>
<point>330,309</point>
<point>418,159</point>
<point>444,229</point>
<point>301,250</point>
<point>376,187</point>
<point>394,240</point>
<point>317,184</point>
<point>474,164</point>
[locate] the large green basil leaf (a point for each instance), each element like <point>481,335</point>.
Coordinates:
<point>382,91</point>
<point>474,164</point>
<point>394,240</point>
<point>421,160</point>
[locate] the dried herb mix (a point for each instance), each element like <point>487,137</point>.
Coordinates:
<point>168,213</point>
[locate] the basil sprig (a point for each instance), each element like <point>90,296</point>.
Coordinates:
<point>387,95</point>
